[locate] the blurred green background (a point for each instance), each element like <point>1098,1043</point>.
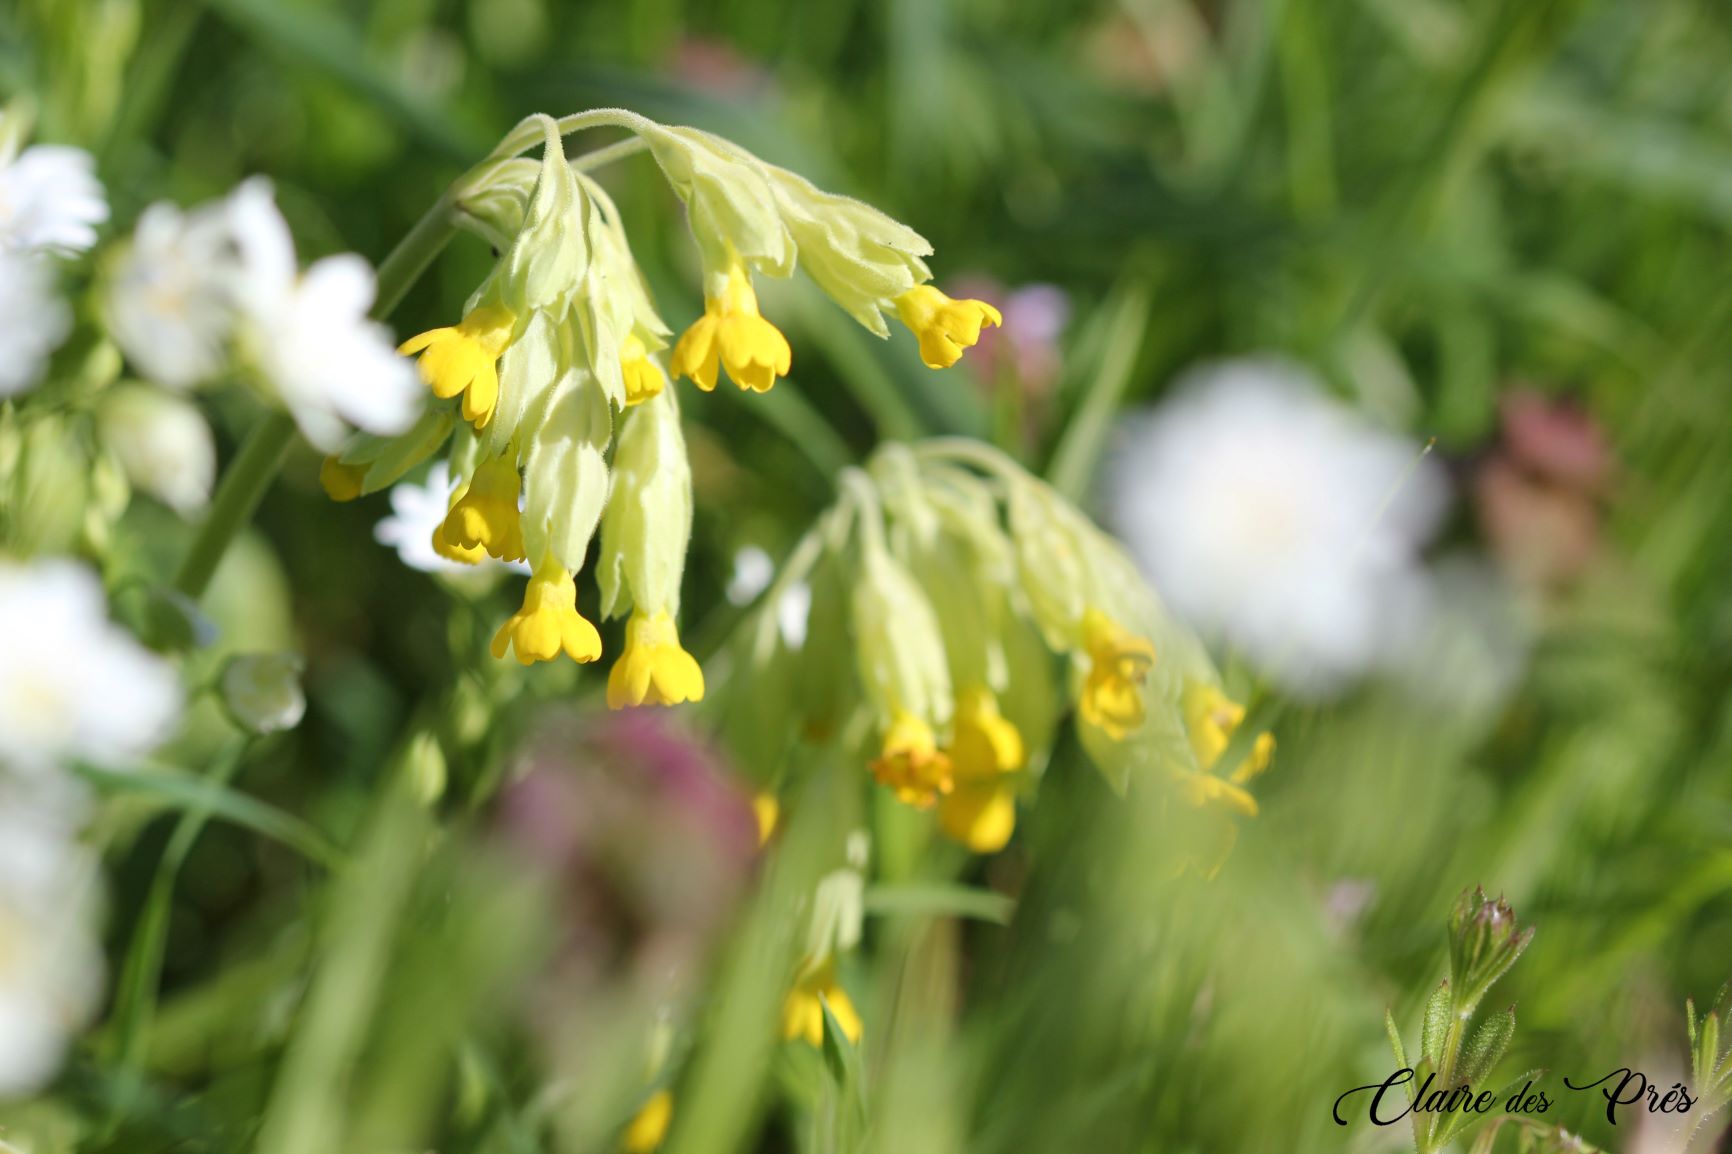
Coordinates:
<point>1432,202</point>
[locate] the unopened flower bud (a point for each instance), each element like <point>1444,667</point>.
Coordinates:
<point>162,443</point>
<point>262,691</point>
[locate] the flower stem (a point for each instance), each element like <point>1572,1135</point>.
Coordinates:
<point>254,468</point>
<point>239,494</point>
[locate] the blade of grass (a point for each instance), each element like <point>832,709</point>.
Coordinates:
<point>177,789</point>
<point>1079,450</point>
<point>940,901</point>
<point>141,972</point>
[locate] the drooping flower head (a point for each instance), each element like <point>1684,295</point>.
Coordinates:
<point>558,351</point>
<point>973,593</point>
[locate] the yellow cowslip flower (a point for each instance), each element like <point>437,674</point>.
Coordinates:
<point>471,555</point>
<point>768,812</point>
<point>486,516</point>
<point>1119,663</point>
<point>986,752</point>
<point>643,377</point>
<point>649,1126</point>
<point>464,359</point>
<point>654,669</point>
<point>549,622</point>
<point>1211,719</point>
<point>341,482</point>
<point>911,764</point>
<point>945,326</point>
<point>1203,790</point>
<point>732,334</point>
<point>803,1011</point>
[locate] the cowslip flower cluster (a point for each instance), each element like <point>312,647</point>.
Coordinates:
<point>557,360</point>
<point>963,578</point>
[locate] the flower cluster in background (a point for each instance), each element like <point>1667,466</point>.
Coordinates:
<point>958,579</point>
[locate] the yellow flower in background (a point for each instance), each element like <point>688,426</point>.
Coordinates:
<point>732,334</point>
<point>986,752</point>
<point>1205,789</point>
<point>486,516</point>
<point>945,326</point>
<point>654,669</point>
<point>1211,719</point>
<point>649,1126</point>
<point>1119,664</point>
<point>803,1012</point>
<point>643,377</point>
<point>341,482</point>
<point>768,812</point>
<point>463,359</point>
<point>911,764</point>
<point>549,623</point>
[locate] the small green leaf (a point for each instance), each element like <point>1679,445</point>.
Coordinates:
<point>1487,1046</point>
<point>179,790</point>
<point>1436,1025</point>
<point>840,1056</point>
<point>1395,1040</point>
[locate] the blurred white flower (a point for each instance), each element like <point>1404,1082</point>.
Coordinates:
<point>163,444</point>
<point>310,336</point>
<point>50,957</point>
<point>417,512</point>
<point>1279,519</point>
<point>793,612</point>
<point>194,287</point>
<point>72,684</point>
<point>753,569</point>
<point>171,293</point>
<point>263,691</point>
<point>33,320</point>
<point>753,572</point>
<point>50,200</point>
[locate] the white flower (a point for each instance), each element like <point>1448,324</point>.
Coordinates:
<point>171,293</point>
<point>50,958</point>
<point>163,443</point>
<point>263,691</point>
<point>72,684</point>
<point>50,200</point>
<point>33,320</point>
<point>417,511</point>
<point>753,570</point>
<point>330,365</point>
<point>1279,518</point>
